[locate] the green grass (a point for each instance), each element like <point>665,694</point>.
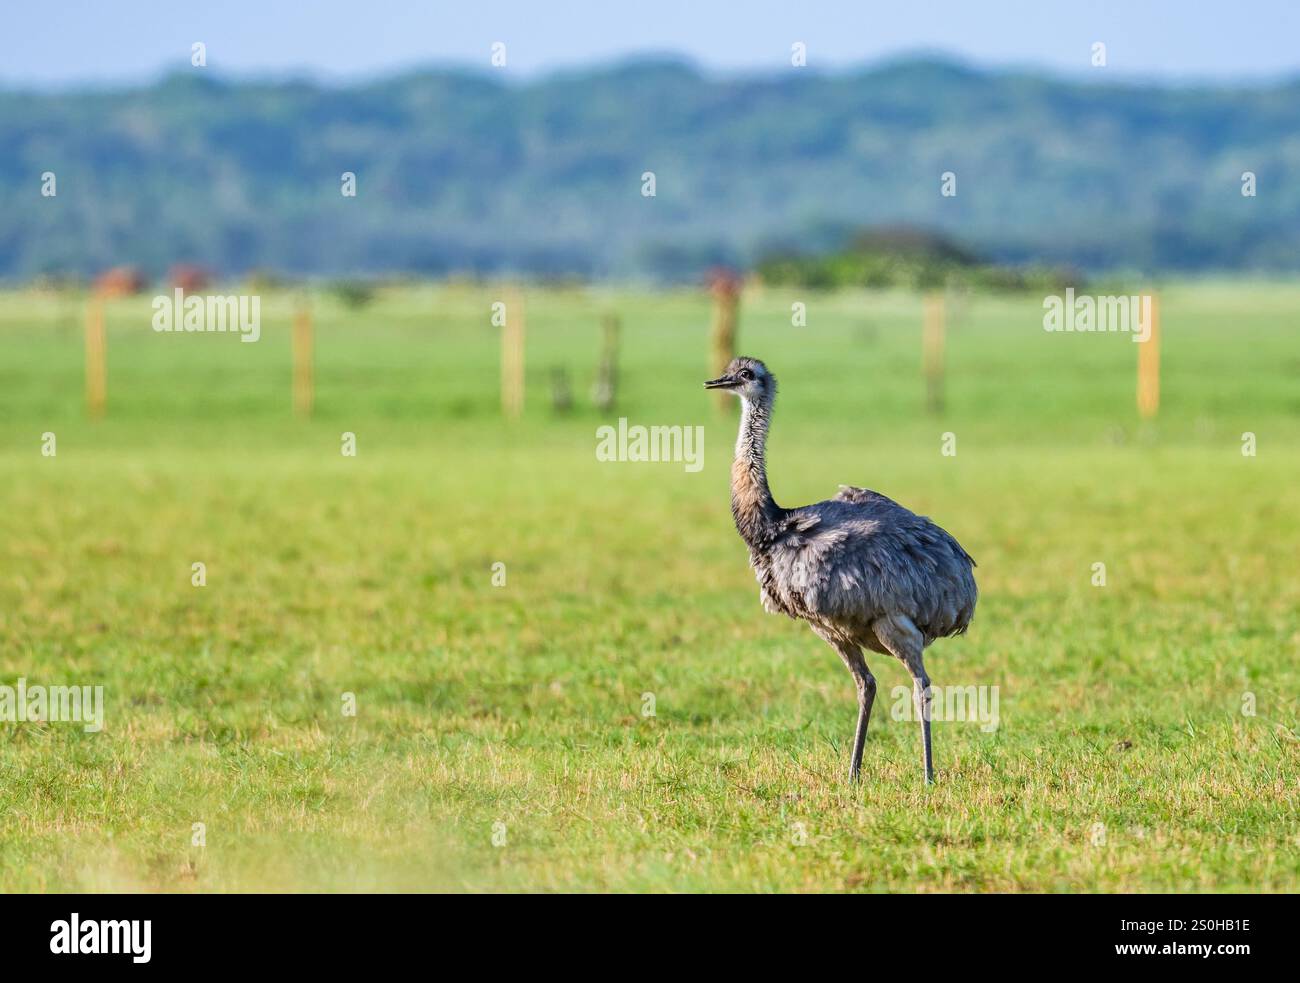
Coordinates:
<point>522,705</point>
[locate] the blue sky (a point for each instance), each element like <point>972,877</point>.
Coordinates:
<point>58,43</point>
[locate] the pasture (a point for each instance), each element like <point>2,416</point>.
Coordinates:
<point>1147,738</point>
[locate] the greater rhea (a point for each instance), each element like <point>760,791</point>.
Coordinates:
<point>862,570</point>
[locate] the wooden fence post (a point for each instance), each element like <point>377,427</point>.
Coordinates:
<point>1148,380</point>
<point>96,359</point>
<point>725,288</point>
<point>606,390</point>
<point>304,374</point>
<point>512,358</point>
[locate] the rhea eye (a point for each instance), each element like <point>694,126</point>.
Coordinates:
<point>746,374</point>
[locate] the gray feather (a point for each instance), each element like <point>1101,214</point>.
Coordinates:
<point>861,556</point>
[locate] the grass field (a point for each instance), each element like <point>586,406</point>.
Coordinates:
<point>1123,760</point>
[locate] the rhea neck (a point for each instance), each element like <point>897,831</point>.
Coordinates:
<point>752,507</point>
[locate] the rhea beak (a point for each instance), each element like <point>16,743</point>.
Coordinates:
<point>726,382</point>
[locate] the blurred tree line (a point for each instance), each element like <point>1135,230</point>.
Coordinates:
<point>910,258</point>
<point>458,171</point>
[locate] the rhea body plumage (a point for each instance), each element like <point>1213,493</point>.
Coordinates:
<point>862,570</point>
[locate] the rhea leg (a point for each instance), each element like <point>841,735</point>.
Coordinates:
<point>851,656</point>
<point>905,641</point>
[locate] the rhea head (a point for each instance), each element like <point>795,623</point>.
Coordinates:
<point>749,379</point>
